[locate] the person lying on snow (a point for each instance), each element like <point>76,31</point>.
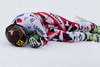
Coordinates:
<point>37,28</point>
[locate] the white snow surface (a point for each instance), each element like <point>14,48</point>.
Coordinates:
<point>54,54</point>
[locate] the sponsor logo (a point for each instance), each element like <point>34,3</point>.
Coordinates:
<point>32,19</point>
<point>38,29</point>
<point>20,42</point>
<point>57,18</point>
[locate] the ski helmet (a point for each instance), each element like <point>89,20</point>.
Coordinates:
<point>16,35</point>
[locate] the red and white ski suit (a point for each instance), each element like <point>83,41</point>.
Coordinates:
<point>53,27</point>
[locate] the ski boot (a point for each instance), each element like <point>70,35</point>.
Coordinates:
<point>96,29</point>
<point>93,37</point>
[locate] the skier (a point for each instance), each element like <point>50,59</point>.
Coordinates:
<point>37,28</point>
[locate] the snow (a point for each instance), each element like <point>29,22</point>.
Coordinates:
<point>55,54</point>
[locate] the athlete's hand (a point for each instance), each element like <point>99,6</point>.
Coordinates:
<point>34,41</point>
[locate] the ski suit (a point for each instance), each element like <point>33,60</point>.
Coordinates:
<point>53,27</point>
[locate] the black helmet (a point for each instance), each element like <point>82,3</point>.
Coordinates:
<point>16,35</point>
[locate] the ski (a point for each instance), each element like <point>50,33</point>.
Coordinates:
<point>81,19</point>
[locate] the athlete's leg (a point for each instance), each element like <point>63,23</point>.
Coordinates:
<point>59,35</point>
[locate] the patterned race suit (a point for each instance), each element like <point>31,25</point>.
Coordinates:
<point>53,27</point>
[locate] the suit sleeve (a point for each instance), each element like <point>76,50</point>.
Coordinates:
<point>40,30</point>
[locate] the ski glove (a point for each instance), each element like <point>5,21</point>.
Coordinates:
<point>34,41</point>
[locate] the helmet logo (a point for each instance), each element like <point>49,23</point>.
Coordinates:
<point>20,42</point>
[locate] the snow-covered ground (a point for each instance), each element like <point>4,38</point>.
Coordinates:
<point>55,54</point>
